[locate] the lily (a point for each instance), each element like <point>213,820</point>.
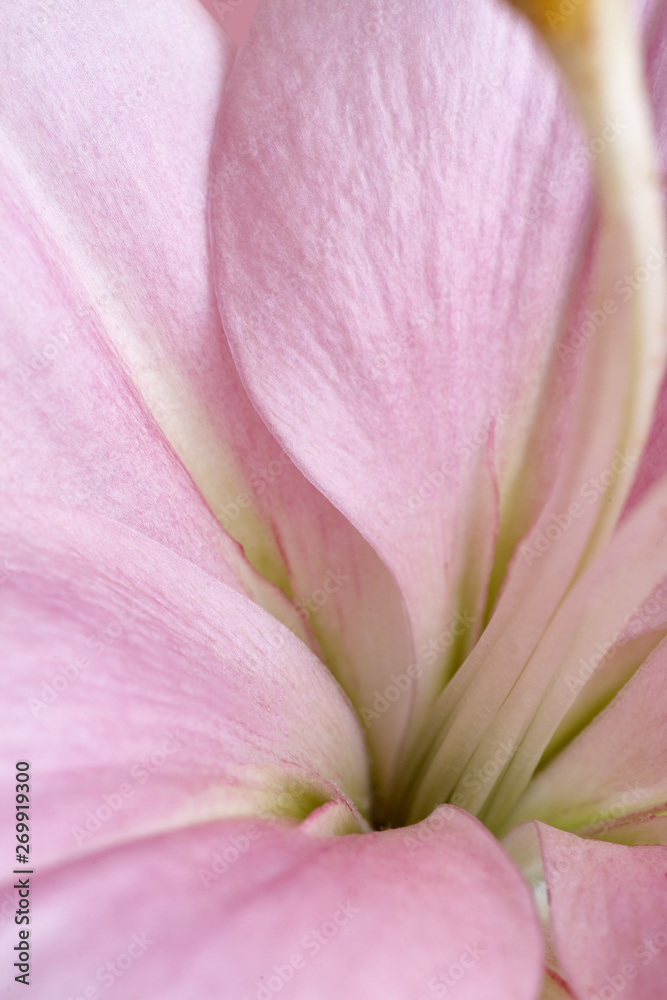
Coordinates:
<point>334,531</point>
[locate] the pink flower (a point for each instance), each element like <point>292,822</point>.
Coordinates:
<point>334,528</point>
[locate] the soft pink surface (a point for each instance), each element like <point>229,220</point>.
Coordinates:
<point>654,461</point>
<point>394,240</point>
<point>392,915</point>
<point>235,16</point>
<point>398,245</point>
<point>608,912</point>
<point>104,167</point>
<point>109,128</point>
<point>116,648</point>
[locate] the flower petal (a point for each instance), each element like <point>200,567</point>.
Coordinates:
<point>617,763</point>
<point>613,405</point>
<point>587,627</point>
<point>103,172</point>
<point>235,16</point>
<point>357,252</point>
<point>233,909</point>
<point>106,134</point>
<point>147,694</point>
<point>109,121</point>
<point>608,913</point>
<point>654,460</point>
<point>593,621</point>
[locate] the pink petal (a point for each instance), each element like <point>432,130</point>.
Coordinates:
<point>93,107</point>
<point>102,198</point>
<point>235,16</point>
<point>382,249</point>
<point>654,460</point>
<point>585,629</point>
<point>617,765</point>
<point>110,116</point>
<point>147,694</point>
<point>238,910</point>
<point>608,913</point>
<point>497,690</point>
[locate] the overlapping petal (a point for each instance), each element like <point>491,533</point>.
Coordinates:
<point>608,915</point>
<point>147,694</point>
<point>603,908</point>
<point>381,250</point>
<point>107,169</point>
<point>497,690</point>
<point>617,763</point>
<point>592,622</point>
<point>102,198</point>
<point>654,459</point>
<point>335,238</point>
<point>235,16</point>
<point>105,134</point>
<point>259,911</point>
